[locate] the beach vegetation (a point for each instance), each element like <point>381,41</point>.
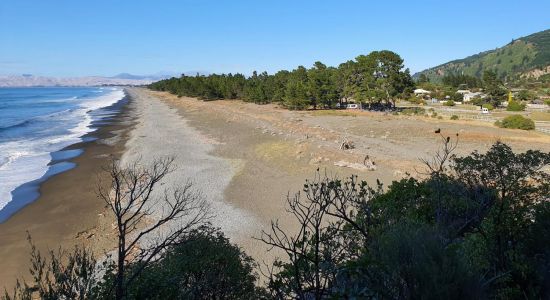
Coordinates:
<point>516,122</point>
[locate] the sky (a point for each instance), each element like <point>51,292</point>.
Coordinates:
<point>106,37</point>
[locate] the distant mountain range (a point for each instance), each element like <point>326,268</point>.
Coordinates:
<point>29,80</point>
<point>527,56</point>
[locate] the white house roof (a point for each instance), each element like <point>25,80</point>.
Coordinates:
<point>421,91</point>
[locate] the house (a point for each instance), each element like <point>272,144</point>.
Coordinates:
<point>463,92</point>
<point>470,96</point>
<point>421,92</point>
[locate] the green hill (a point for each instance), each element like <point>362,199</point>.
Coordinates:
<point>526,56</point>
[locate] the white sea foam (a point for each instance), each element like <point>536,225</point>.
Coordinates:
<point>26,160</point>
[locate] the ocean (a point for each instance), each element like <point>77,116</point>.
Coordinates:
<point>35,124</point>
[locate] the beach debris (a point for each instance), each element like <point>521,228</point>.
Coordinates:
<point>316,160</point>
<point>369,163</point>
<point>347,144</point>
<point>356,166</point>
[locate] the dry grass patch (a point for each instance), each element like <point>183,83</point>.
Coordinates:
<point>540,116</point>
<point>338,113</point>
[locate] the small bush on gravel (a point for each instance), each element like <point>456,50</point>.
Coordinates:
<point>454,117</point>
<point>516,122</point>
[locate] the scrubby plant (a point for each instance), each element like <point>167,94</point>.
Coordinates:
<point>488,106</point>
<point>454,117</point>
<point>516,122</point>
<point>515,106</point>
<point>449,103</point>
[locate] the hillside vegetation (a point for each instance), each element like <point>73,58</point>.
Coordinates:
<point>526,56</point>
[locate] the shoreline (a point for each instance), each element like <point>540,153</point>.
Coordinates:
<point>61,161</point>
<point>67,209</point>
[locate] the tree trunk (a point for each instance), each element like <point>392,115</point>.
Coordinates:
<point>120,266</point>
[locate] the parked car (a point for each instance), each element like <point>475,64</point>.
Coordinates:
<point>484,110</point>
<point>352,106</point>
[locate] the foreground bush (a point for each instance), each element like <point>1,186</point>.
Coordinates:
<point>203,265</point>
<point>475,228</point>
<point>516,122</point>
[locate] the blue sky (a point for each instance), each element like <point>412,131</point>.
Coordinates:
<point>74,38</point>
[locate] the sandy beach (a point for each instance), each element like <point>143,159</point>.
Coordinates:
<point>244,158</point>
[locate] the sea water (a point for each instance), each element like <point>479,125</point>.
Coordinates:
<point>35,123</point>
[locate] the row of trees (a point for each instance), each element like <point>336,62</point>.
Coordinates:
<point>376,78</point>
<point>475,227</point>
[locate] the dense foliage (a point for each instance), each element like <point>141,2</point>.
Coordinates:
<point>376,78</point>
<point>203,265</point>
<point>516,122</point>
<point>515,106</point>
<point>460,81</point>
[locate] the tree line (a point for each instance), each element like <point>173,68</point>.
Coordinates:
<point>472,227</point>
<point>373,79</point>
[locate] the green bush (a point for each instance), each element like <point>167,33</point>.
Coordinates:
<point>454,117</point>
<point>204,265</point>
<point>449,103</point>
<point>547,102</point>
<point>515,106</point>
<point>488,106</point>
<point>516,122</point>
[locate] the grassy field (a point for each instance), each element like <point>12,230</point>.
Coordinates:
<point>540,116</point>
